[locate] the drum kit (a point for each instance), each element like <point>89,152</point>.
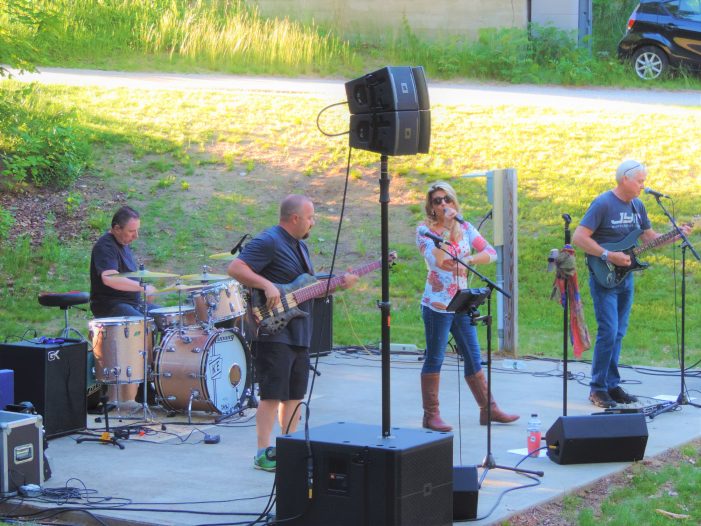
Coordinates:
<point>194,354</point>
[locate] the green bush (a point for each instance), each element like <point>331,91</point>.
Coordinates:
<point>39,144</point>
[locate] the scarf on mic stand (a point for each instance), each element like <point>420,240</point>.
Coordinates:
<point>566,276</point>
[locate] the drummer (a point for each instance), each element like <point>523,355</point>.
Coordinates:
<point>117,296</point>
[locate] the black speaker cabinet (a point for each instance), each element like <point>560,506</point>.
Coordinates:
<point>597,438</point>
<point>465,492</point>
<point>392,88</point>
<point>357,477</point>
<point>322,326</point>
<point>51,376</point>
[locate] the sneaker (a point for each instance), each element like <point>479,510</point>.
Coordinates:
<point>266,460</point>
<point>620,396</point>
<point>601,399</point>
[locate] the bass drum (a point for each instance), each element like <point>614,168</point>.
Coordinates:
<point>211,368</point>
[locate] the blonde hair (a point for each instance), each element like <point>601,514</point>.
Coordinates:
<point>456,232</point>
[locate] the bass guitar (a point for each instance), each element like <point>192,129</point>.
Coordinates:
<point>304,288</point>
<point>609,275</point>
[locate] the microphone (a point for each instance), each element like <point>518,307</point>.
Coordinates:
<point>237,246</point>
<point>458,217</point>
<point>424,231</point>
<point>656,194</point>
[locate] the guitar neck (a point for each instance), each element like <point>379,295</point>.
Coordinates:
<point>669,236</point>
<point>319,288</point>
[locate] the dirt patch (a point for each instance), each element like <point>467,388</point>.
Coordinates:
<point>553,513</point>
<point>38,211</point>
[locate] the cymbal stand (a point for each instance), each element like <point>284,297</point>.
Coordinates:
<point>682,398</point>
<point>144,395</point>
<point>468,303</point>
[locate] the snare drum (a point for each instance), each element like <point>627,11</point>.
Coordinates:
<point>209,368</point>
<point>219,302</point>
<point>170,317</point>
<point>118,348</point>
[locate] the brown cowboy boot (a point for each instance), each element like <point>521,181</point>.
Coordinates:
<point>429,394</point>
<point>478,385</point>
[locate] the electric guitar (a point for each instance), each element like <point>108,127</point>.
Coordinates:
<point>609,275</point>
<point>304,288</point>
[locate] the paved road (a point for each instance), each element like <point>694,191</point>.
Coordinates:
<point>460,94</point>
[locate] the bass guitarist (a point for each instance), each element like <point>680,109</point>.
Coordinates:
<point>279,255</point>
<point>611,217</point>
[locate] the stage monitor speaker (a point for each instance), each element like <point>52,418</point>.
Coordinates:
<point>322,326</point>
<point>358,477</point>
<point>597,438</point>
<point>392,88</point>
<point>465,492</point>
<point>51,376</point>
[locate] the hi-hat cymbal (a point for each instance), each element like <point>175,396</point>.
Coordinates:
<point>178,287</point>
<point>145,274</point>
<point>223,256</point>
<point>205,276</point>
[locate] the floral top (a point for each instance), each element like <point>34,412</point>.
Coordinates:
<point>442,285</point>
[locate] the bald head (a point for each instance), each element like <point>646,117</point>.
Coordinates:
<point>292,205</point>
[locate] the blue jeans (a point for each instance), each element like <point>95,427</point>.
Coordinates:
<point>438,326</point>
<point>612,309</point>
<point>116,309</point>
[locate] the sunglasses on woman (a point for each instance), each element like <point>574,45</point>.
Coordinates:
<point>442,199</point>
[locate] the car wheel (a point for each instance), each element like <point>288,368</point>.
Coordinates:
<point>650,62</point>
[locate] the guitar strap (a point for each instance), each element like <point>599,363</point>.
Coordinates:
<point>304,258</point>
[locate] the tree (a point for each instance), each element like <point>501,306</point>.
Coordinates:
<point>20,21</point>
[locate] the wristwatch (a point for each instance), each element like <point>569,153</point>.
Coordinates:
<point>604,255</point>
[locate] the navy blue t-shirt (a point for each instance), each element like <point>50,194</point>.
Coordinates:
<point>109,254</point>
<point>611,219</point>
<point>279,257</point>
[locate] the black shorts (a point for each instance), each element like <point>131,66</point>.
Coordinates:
<point>282,371</point>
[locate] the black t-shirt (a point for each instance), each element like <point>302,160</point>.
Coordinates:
<point>279,257</point>
<point>109,254</point>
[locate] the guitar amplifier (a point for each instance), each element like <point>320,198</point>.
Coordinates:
<point>53,377</point>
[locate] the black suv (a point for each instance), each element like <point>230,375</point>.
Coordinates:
<point>663,33</point>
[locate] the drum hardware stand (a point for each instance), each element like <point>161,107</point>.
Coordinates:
<point>107,437</point>
<point>682,399</point>
<point>467,301</point>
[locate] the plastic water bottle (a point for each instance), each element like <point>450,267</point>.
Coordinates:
<point>533,432</point>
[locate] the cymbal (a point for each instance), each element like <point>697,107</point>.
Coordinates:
<point>145,274</point>
<point>205,276</point>
<point>179,287</point>
<point>223,256</point>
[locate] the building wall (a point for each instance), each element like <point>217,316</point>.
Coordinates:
<point>425,17</point>
<point>560,13</point>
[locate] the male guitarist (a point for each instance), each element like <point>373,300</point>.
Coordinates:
<point>278,256</point>
<point>610,218</point>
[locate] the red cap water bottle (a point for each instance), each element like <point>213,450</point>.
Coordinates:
<point>533,433</point>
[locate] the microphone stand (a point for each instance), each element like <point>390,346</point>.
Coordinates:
<point>488,463</point>
<point>565,320</point>
<point>682,399</point>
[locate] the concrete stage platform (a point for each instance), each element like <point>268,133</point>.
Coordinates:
<point>163,479</point>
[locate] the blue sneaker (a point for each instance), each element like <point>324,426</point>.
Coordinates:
<point>266,460</point>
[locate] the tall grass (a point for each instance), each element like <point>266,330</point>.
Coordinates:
<point>223,35</point>
<point>232,36</point>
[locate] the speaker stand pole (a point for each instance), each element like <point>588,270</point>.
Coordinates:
<point>384,304</point>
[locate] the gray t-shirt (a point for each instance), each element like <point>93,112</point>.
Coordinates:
<point>611,219</point>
